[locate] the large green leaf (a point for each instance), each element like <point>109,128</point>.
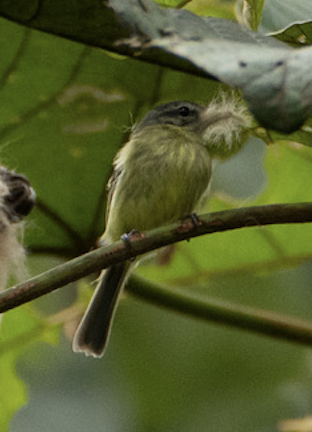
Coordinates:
<point>274,79</point>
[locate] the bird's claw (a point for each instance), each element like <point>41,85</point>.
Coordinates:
<point>127,237</point>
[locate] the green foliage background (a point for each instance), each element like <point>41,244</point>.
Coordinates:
<point>64,112</point>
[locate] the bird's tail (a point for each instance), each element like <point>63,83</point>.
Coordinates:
<point>94,330</point>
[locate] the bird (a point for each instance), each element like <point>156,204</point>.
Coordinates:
<point>159,176</point>
<point>17,199</point>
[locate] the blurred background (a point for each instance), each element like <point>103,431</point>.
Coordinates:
<point>65,110</point>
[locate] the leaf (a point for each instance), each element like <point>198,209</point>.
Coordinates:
<point>288,23</point>
<point>274,79</point>
<point>250,12</point>
<point>281,14</point>
<point>301,136</point>
<point>217,8</point>
<point>13,394</point>
<point>19,328</point>
<point>173,3</point>
<point>296,34</point>
<point>289,169</point>
<point>277,91</point>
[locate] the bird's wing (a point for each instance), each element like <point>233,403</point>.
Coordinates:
<point>111,185</point>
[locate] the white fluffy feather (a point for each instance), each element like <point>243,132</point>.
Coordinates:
<point>228,129</point>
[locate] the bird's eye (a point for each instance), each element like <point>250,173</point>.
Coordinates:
<point>184,111</point>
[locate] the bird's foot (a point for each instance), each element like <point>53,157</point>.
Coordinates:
<point>132,235</point>
<point>194,218</point>
<point>186,220</point>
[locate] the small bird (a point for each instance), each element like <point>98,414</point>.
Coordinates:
<point>159,177</point>
<point>17,198</point>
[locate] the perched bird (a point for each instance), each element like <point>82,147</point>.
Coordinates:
<point>17,195</point>
<point>17,199</point>
<point>159,177</point>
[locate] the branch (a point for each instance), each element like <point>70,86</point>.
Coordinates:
<point>245,318</point>
<point>222,312</point>
<point>101,258</point>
